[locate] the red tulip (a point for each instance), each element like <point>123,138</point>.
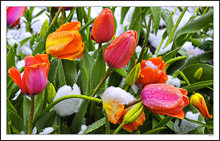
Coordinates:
<point>14,14</point>
<point>103,28</point>
<point>152,71</point>
<point>34,79</point>
<point>121,49</point>
<point>165,99</point>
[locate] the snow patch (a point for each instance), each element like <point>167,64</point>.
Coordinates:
<point>173,81</point>
<point>46,131</point>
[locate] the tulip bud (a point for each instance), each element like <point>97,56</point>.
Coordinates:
<point>14,14</point>
<point>133,113</point>
<point>165,99</point>
<point>198,73</point>
<point>198,101</point>
<point>51,93</point>
<point>103,28</point>
<point>133,75</point>
<point>120,50</point>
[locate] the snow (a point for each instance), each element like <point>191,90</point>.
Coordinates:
<point>173,81</point>
<point>149,64</point>
<point>68,106</point>
<point>134,88</point>
<point>117,94</point>
<point>191,50</point>
<point>186,126</point>
<point>83,128</point>
<point>46,131</point>
<point>34,131</point>
<point>16,95</point>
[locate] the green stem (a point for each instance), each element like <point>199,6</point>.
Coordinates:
<point>119,128</point>
<point>66,97</point>
<point>145,41</point>
<point>206,10</point>
<point>196,10</point>
<point>88,23</point>
<point>100,46</point>
<point>102,81</point>
<point>175,27</point>
<point>56,16</point>
<point>184,77</point>
<point>175,59</point>
<point>31,115</point>
<point>157,51</point>
<point>127,87</point>
<point>132,103</point>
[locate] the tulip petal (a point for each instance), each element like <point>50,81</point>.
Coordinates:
<point>14,14</point>
<point>72,26</point>
<point>158,62</point>
<point>114,110</point>
<point>36,78</point>
<point>15,75</point>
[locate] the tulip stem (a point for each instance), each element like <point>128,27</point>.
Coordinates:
<point>145,41</point>
<point>31,115</point>
<point>127,87</point>
<point>100,46</point>
<point>56,16</point>
<point>102,81</point>
<point>132,103</point>
<point>119,128</point>
<point>184,77</point>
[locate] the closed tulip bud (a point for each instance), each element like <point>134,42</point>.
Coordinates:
<point>198,101</point>
<point>14,14</point>
<point>51,93</point>
<point>66,42</point>
<point>133,75</point>
<point>198,73</point>
<point>103,27</point>
<point>133,113</point>
<point>121,49</point>
<point>165,99</point>
<point>34,79</point>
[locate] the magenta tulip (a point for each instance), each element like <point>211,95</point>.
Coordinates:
<point>121,49</point>
<point>14,14</point>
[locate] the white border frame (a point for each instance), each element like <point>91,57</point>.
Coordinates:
<point>214,4</point>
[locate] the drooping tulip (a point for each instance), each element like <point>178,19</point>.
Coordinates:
<point>113,102</point>
<point>121,49</point>
<point>66,42</point>
<point>165,99</point>
<point>198,101</point>
<point>14,14</point>
<point>34,79</point>
<point>103,27</point>
<point>152,71</point>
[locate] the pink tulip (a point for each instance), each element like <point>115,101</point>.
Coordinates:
<point>165,99</point>
<point>103,28</point>
<point>14,14</point>
<point>121,49</point>
<point>34,79</point>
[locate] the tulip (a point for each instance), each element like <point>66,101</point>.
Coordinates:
<point>113,103</point>
<point>14,14</point>
<point>198,101</point>
<point>121,49</point>
<point>34,79</point>
<point>165,99</point>
<point>152,71</point>
<point>103,28</point>
<point>66,42</point>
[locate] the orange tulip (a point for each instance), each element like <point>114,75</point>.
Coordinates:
<point>103,28</point>
<point>152,71</point>
<point>198,101</point>
<point>66,42</point>
<point>165,99</point>
<point>121,49</point>
<point>14,14</point>
<point>34,79</point>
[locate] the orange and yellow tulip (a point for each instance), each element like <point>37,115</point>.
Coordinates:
<point>165,99</point>
<point>34,79</point>
<point>103,27</point>
<point>66,42</point>
<point>152,71</point>
<point>198,101</point>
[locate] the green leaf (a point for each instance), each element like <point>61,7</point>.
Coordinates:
<point>44,29</point>
<point>46,120</point>
<point>80,13</point>
<point>61,73</point>
<point>88,62</point>
<point>190,70</point>
<point>136,21</point>
<point>70,72</point>
<point>70,16</point>
<point>121,72</point>
<point>107,124</point>
<point>39,13</point>
<point>99,70</point>
<point>24,41</point>
<point>192,27</point>
<point>156,12</point>
<point>124,11</point>
<point>198,85</point>
<point>10,60</point>
<point>168,55</point>
<point>164,121</point>
<point>83,80</point>
<point>53,71</point>
<point>155,130</point>
<point>95,126</point>
<point>26,112</point>
<point>114,79</point>
<point>167,17</point>
<point>11,107</point>
<point>16,120</point>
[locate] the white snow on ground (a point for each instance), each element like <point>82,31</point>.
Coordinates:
<point>68,106</point>
<point>191,50</point>
<point>83,128</point>
<point>173,81</point>
<point>47,131</point>
<point>34,131</point>
<point>186,126</point>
